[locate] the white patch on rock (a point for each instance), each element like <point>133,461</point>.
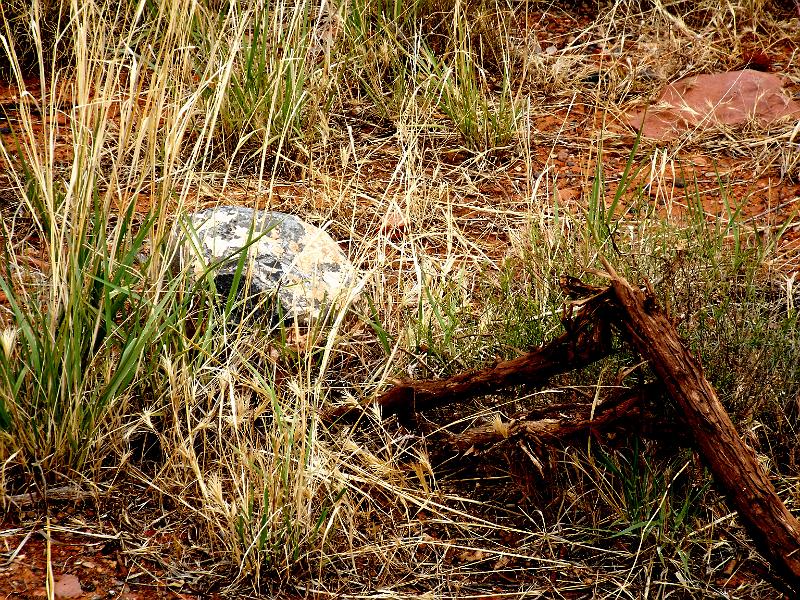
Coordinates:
<point>297,264</point>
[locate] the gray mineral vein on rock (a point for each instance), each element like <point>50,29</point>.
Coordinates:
<point>298,264</point>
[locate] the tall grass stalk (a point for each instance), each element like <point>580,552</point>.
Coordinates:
<point>486,120</point>
<point>83,320</point>
<point>106,348</point>
<point>272,79</point>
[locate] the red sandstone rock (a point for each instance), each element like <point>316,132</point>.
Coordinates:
<point>715,99</point>
<point>68,586</point>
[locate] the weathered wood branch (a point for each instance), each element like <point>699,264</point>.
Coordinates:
<point>587,339</point>
<point>583,343</point>
<point>66,492</point>
<point>552,428</point>
<point>733,463</point>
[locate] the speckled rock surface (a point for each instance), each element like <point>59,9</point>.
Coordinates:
<point>297,265</point>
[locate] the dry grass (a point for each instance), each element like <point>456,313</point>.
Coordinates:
<point>459,120</point>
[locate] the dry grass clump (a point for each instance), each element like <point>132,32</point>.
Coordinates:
<point>434,139</point>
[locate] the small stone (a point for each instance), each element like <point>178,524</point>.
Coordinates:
<point>68,586</point>
<point>394,222</point>
<point>292,265</point>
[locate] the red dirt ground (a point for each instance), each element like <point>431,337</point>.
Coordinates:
<point>102,569</point>
<point>105,569</point>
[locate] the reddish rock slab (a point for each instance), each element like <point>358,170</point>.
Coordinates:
<point>710,100</point>
<point>68,586</point>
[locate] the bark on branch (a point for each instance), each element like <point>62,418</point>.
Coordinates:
<point>551,428</point>
<point>733,463</point>
<point>587,339</point>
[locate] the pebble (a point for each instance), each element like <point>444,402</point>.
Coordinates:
<point>68,586</point>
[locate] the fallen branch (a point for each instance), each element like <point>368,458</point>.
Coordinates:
<point>66,492</point>
<point>586,340</point>
<point>551,430</point>
<point>734,464</point>
<point>580,345</point>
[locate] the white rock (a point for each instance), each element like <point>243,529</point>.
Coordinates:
<point>288,260</point>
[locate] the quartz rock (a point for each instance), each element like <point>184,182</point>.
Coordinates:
<point>292,267</point>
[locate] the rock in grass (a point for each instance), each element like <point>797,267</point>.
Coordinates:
<point>715,99</point>
<point>295,269</point>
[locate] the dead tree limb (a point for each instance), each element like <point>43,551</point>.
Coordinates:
<point>587,339</point>
<point>734,464</point>
<point>553,429</point>
<point>65,492</point>
<point>583,343</point>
